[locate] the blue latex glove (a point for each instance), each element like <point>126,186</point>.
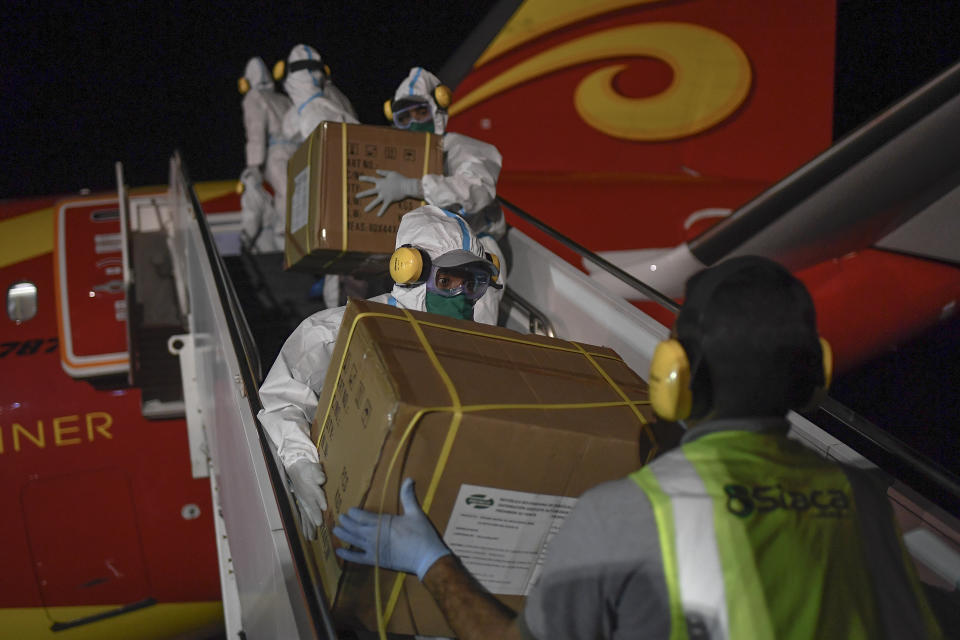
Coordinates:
<point>389,188</point>
<point>408,542</point>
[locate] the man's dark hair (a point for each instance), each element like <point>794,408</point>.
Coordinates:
<point>749,329</point>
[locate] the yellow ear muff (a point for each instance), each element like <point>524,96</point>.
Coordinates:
<point>827,362</point>
<point>326,70</point>
<point>669,381</point>
<point>388,110</point>
<point>443,96</point>
<point>240,188</point>
<point>279,69</point>
<point>243,85</point>
<point>819,393</point>
<point>406,265</point>
<point>492,257</point>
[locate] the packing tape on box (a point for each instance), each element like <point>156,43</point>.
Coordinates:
<point>458,409</point>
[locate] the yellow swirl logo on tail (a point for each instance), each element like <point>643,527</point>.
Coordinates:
<point>711,79</point>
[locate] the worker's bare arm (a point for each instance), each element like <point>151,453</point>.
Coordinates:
<point>469,608</point>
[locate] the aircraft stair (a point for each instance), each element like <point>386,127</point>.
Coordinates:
<point>269,584</point>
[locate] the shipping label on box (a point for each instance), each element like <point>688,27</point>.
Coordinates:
<point>327,229</point>
<point>502,536</point>
<point>500,431</point>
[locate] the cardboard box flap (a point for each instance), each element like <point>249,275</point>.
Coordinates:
<point>496,363</point>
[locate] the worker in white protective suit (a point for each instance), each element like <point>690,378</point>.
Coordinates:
<point>306,79</point>
<point>470,167</point>
<point>441,267</point>
<point>267,152</point>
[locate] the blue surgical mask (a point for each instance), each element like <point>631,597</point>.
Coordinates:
<point>453,307</point>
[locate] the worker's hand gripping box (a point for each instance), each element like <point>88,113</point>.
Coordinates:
<point>327,229</point>
<point>501,432</point>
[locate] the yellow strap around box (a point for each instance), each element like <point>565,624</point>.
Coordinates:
<point>606,376</point>
<point>426,160</point>
<point>383,618</point>
<point>457,409</point>
<point>487,407</point>
<point>343,191</point>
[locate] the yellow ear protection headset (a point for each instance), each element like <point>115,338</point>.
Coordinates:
<point>677,381</point>
<point>243,84</point>
<point>281,69</point>
<point>442,95</point>
<point>410,266</point>
<point>492,257</point>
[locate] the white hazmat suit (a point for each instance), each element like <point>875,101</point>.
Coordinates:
<point>291,390</point>
<point>470,167</point>
<point>267,153</point>
<point>315,99</point>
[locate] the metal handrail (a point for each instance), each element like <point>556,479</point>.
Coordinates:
<point>663,300</point>
<point>929,473</point>
<point>244,345</point>
<point>897,454</point>
<point>538,322</point>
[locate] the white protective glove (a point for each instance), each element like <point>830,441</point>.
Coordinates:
<point>308,478</point>
<point>251,176</point>
<point>408,542</point>
<point>252,205</point>
<point>389,188</point>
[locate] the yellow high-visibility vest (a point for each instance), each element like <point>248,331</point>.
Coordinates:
<point>761,539</point>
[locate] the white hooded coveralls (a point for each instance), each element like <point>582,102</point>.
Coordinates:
<point>315,98</point>
<point>470,167</point>
<point>267,150</point>
<point>291,390</point>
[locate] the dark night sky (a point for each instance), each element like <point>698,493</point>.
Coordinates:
<point>82,88</point>
<point>132,81</point>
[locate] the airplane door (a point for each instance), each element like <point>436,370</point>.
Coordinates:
<point>91,308</point>
<point>84,543</point>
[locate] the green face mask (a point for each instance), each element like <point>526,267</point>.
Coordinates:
<point>422,126</point>
<point>456,307</point>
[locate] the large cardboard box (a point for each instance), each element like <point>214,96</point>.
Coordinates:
<point>540,421</point>
<point>327,230</point>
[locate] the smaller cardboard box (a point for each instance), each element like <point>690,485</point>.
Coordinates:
<point>327,230</point>
<point>540,420</point>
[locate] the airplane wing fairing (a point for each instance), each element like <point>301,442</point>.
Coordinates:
<point>856,193</point>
